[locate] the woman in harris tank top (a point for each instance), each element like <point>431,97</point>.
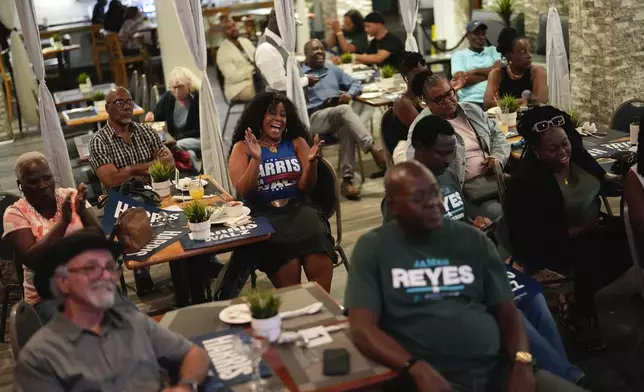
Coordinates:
<point>273,169</point>
<point>518,75</point>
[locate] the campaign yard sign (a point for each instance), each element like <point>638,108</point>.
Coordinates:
<point>228,367</point>
<point>523,286</point>
<point>257,227</point>
<point>168,226</point>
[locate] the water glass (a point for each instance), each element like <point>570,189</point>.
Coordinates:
<point>253,349</point>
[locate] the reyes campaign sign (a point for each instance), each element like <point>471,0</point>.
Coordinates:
<point>168,226</point>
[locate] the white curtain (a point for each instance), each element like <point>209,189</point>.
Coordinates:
<point>557,62</point>
<point>285,12</point>
<point>212,148</point>
<point>409,13</point>
<point>52,133</point>
<point>22,74</point>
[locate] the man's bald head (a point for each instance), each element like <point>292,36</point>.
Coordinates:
<point>414,197</point>
<point>117,92</point>
<point>314,52</point>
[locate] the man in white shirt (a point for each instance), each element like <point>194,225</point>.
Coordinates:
<point>235,59</point>
<point>271,57</point>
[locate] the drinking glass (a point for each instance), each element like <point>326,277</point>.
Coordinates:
<point>253,349</point>
<point>195,188</point>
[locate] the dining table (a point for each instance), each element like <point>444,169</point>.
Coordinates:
<point>76,96</point>
<point>188,279</point>
<point>91,115</point>
<point>294,368</point>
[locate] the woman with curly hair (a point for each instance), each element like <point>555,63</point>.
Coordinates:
<point>273,169</point>
<point>552,209</point>
<point>519,75</point>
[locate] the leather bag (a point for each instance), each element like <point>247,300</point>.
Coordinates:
<point>133,229</point>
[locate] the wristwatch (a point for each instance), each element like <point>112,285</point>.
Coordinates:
<point>410,362</point>
<point>191,383</point>
<point>524,357</point>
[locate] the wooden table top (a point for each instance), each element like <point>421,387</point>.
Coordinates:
<point>99,117</point>
<point>73,96</point>
<point>201,319</point>
<point>52,51</point>
<point>175,251</point>
<point>381,100</point>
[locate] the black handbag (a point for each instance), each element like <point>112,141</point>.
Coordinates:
<point>136,190</point>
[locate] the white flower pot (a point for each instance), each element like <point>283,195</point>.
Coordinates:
<point>512,119</point>
<point>162,188</point>
<point>200,231</point>
<point>85,88</point>
<point>269,328</point>
<point>348,68</point>
<point>387,83</point>
<point>100,105</point>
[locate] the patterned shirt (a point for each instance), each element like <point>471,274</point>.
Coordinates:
<point>106,147</point>
<point>21,215</point>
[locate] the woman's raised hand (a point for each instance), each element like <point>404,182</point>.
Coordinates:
<point>254,149</point>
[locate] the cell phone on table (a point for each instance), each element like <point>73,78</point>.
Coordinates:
<point>336,362</point>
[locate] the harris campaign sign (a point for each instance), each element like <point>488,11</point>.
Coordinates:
<point>257,227</point>
<point>168,226</point>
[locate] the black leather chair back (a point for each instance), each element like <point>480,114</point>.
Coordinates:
<point>325,192</point>
<point>625,114</point>
<point>23,324</point>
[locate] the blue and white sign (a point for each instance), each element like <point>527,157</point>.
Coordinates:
<point>257,227</point>
<point>523,286</point>
<point>169,227</point>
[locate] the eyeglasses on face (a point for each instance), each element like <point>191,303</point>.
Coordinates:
<point>94,271</point>
<point>441,98</point>
<point>557,121</point>
<point>122,102</point>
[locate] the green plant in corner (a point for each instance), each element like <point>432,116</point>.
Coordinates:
<point>505,9</point>
<point>196,212</point>
<point>263,304</point>
<point>387,71</point>
<point>56,37</point>
<point>346,58</point>
<point>575,117</point>
<point>160,172</point>
<point>82,78</point>
<point>509,104</point>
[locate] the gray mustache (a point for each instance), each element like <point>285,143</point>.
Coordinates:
<point>103,285</point>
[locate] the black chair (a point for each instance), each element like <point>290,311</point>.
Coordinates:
<point>332,140</point>
<point>7,253</point>
<point>387,139</point>
<point>154,97</point>
<point>221,80</point>
<point>24,323</point>
<point>625,114</point>
<point>541,38</point>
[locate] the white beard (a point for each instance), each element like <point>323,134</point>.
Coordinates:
<point>102,299</point>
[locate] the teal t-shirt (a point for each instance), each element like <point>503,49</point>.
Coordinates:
<point>453,202</point>
<point>433,293</point>
<point>467,60</point>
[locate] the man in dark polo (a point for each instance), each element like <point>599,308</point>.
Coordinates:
<point>93,345</point>
<point>123,148</point>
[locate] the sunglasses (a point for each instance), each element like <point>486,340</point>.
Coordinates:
<point>122,102</point>
<point>541,126</point>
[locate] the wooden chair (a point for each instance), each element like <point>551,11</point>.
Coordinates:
<point>8,86</point>
<point>98,47</point>
<point>24,322</point>
<point>118,62</point>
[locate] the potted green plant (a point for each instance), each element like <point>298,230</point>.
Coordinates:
<point>160,173</point>
<point>264,309</point>
<point>56,40</point>
<point>99,101</point>
<point>505,9</point>
<point>387,74</point>
<point>84,82</point>
<point>198,216</point>
<point>347,62</point>
<point>508,106</point>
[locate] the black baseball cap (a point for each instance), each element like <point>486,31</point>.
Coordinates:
<point>374,17</point>
<point>475,24</point>
<point>65,250</point>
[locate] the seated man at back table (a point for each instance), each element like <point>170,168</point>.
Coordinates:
<point>92,345</point>
<point>124,149</point>
<point>475,63</point>
<point>384,48</point>
<point>430,297</point>
<point>236,62</point>
<point>330,113</point>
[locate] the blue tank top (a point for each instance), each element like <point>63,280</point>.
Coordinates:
<point>279,173</point>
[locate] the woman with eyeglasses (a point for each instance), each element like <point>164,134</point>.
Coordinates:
<point>552,209</point>
<point>519,75</point>
<point>43,215</point>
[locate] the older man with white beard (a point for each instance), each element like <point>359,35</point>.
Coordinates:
<point>93,345</point>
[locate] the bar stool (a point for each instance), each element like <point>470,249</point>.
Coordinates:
<point>98,46</point>
<point>118,62</point>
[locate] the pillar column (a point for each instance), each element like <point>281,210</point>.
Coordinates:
<point>450,18</point>
<point>606,55</point>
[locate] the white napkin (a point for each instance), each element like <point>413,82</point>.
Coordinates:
<point>316,336</point>
<point>242,220</point>
<point>188,197</point>
<point>307,310</point>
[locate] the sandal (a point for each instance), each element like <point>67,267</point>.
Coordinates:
<point>583,331</point>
